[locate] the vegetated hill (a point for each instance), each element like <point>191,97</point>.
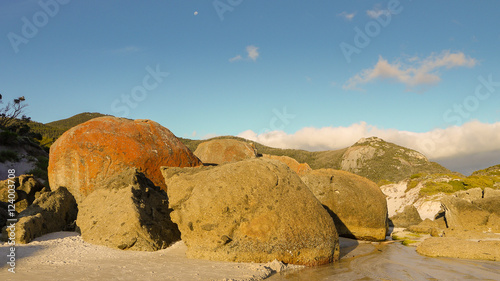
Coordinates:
<point>491,171</point>
<point>379,161</point>
<point>373,158</point>
<point>53,130</point>
<point>68,123</point>
<point>451,183</point>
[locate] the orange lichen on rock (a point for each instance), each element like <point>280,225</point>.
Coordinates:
<point>299,168</point>
<point>89,153</point>
<point>220,151</point>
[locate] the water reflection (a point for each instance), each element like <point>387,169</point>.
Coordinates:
<point>394,262</point>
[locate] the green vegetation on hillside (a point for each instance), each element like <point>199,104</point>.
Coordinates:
<point>451,183</point>
<point>388,161</point>
<point>51,131</point>
<point>68,123</point>
<point>8,155</point>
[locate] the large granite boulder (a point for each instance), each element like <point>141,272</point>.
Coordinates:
<point>28,188</point>
<point>127,212</point>
<point>294,165</point>
<point>89,153</point>
<point>51,212</point>
<point>408,217</point>
<point>356,204</point>
<point>219,151</point>
<point>255,210</point>
<point>481,214</point>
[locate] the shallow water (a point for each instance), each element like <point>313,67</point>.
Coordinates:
<point>395,262</point>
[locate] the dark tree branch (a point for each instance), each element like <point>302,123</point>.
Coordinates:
<point>12,111</point>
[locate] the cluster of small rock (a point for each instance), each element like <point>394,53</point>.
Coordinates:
<point>468,226</point>
<point>132,185</point>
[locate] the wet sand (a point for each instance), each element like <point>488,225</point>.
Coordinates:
<point>395,262</point>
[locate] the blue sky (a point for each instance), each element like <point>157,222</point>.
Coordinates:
<point>261,69</point>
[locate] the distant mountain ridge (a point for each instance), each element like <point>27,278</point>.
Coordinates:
<point>373,158</point>
<point>72,121</point>
<point>51,131</point>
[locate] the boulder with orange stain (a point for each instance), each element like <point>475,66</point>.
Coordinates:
<point>294,165</point>
<point>255,210</point>
<point>88,154</point>
<point>220,151</point>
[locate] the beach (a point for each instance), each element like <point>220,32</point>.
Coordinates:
<point>65,256</point>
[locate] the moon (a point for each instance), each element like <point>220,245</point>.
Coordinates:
<point>195,13</point>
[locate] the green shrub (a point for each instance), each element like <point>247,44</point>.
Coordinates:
<point>416,176</point>
<point>384,182</point>
<point>478,181</point>
<point>41,169</point>
<point>8,155</point>
<point>411,184</point>
<point>8,138</point>
<point>431,188</point>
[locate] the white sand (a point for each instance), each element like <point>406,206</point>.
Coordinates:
<point>65,256</point>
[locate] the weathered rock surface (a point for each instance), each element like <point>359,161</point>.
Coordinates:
<point>356,204</point>
<point>27,190</point>
<point>255,210</point>
<point>299,168</point>
<point>101,148</point>
<point>408,217</point>
<point>219,151</point>
<point>490,192</point>
<point>428,226</point>
<point>469,194</point>
<point>127,212</point>
<point>455,247</point>
<point>52,211</point>
<point>481,214</point>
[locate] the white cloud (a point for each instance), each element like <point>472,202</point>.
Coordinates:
<point>471,138</point>
<point>415,74</point>
<point>236,58</point>
<point>209,136</point>
<point>377,12</point>
<point>253,53</point>
<point>347,16</point>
